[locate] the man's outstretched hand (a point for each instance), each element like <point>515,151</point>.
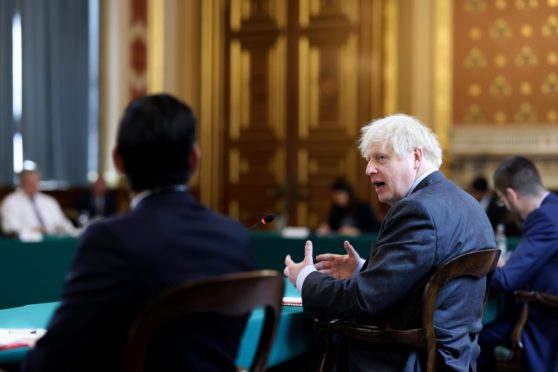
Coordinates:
<point>336,265</point>
<point>292,269</point>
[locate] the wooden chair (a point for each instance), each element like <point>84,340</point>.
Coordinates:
<point>512,357</point>
<point>231,295</point>
<point>477,264</point>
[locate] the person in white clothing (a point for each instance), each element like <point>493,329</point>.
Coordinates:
<point>29,212</point>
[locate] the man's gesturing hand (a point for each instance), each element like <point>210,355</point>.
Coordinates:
<point>292,269</point>
<point>336,265</point>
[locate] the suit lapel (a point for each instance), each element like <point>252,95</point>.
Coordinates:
<point>431,179</point>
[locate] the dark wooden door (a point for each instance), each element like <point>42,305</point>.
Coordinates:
<point>300,83</point>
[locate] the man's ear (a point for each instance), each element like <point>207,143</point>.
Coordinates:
<point>117,160</point>
<point>195,158</point>
<point>511,194</point>
<point>418,154</point>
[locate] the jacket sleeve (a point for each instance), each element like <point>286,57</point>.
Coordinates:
<point>401,259</point>
<point>532,252</point>
<point>95,305</point>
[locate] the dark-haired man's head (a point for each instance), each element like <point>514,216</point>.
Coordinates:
<point>156,143</point>
<point>519,185</point>
<point>479,187</point>
<point>520,174</point>
<point>480,183</point>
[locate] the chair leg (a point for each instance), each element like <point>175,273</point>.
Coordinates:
<point>516,364</point>
<point>323,359</point>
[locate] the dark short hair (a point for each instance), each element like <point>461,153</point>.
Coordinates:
<point>480,184</point>
<point>155,139</point>
<point>341,184</point>
<point>520,174</point>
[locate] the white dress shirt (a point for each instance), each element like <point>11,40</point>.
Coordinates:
<point>20,217</point>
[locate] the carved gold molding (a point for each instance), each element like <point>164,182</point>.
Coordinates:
<point>390,65</point>
<point>156,50</point>
<point>212,47</point>
<point>235,95</point>
<point>443,71</point>
<point>277,87</point>
<point>304,69</point>
<point>493,139</point>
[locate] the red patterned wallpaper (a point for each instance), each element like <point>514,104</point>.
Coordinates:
<point>505,61</point>
<point>138,48</point>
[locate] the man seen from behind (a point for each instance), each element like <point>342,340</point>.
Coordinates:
<point>123,262</point>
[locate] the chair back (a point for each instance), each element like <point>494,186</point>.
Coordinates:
<point>231,295</point>
<point>512,357</point>
<point>476,264</point>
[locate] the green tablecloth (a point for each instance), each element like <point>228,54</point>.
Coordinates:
<point>33,272</point>
<point>270,248</point>
<point>293,336</point>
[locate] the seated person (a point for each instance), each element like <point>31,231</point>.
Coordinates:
<point>495,210</point>
<point>348,215</point>
<point>422,230</point>
<point>533,265</point>
<point>28,212</point>
<point>96,203</point>
<point>123,262</point>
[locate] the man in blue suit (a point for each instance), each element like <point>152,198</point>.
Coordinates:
<point>123,262</point>
<point>431,220</point>
<point>533,265</point>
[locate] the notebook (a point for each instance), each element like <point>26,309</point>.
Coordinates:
<point>12,338</point>
<point>292,301</point>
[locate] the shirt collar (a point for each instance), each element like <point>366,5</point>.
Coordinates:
<point>542,199</point>
<point>419,179</point>
<point>158,190</point>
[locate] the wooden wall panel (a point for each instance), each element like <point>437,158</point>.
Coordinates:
<point>328,124</point>
<point>255,108</point>
<point>298,89</point>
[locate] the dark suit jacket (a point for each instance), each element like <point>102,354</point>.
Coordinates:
<point>534,266</point>
<point>86,202</point>
<point>122,263</point>
<point>437,222</point>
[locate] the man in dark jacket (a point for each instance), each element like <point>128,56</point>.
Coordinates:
<point>431,221</point>
<point>533,265</point>
<point>123,262</point>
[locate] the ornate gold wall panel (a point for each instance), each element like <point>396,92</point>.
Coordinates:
<point>505,95</point>
<point>505,62</point>
<point>299,86</point>
<point>329,58</point>
<point>255,106</point>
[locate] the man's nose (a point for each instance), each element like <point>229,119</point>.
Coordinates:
<point>371,169</point>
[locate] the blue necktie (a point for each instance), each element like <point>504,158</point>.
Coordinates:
<point>37,213</point>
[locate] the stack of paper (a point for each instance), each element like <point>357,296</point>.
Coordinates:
<point>12,338</point>
<point>292,301</point>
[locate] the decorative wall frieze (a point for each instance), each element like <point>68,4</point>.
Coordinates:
<point>479,149</point>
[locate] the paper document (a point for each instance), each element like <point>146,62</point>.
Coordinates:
<point>11,338</point>
<point>292,301</point>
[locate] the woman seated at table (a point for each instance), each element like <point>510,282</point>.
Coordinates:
<point>348,215</point>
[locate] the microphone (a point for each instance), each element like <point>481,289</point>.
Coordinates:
<point>265,220</point>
